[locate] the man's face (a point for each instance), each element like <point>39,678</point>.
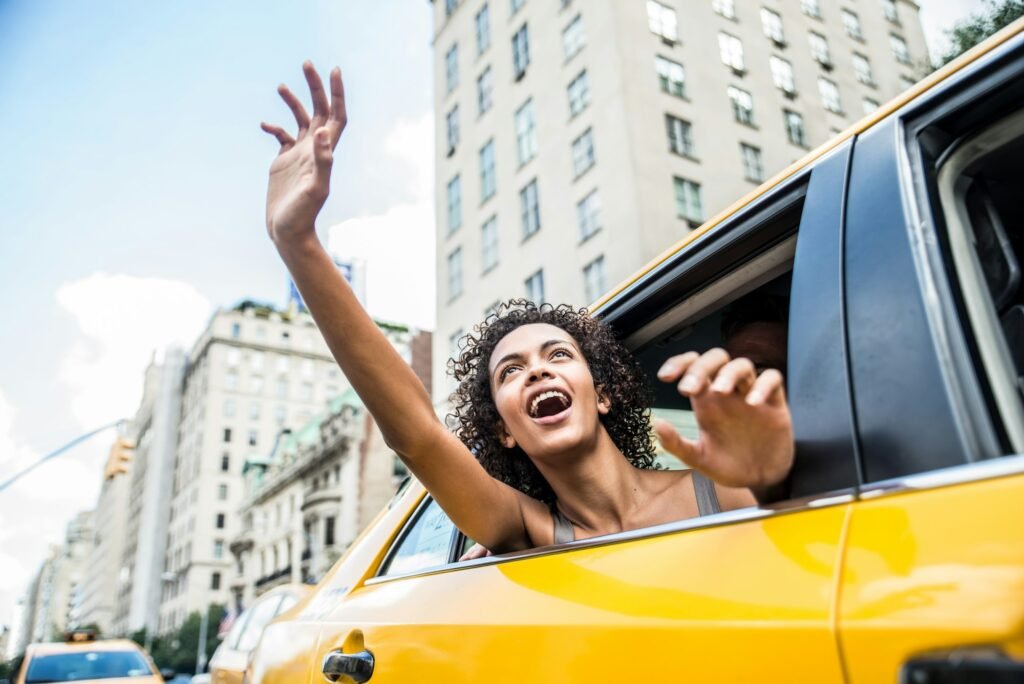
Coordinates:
<point>764,343</point>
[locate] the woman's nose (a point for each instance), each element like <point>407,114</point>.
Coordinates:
<point>538,371</point>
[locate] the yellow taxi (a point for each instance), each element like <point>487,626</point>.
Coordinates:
<point>82,658</point>
<point>227,665</point>
<point>895,254</point>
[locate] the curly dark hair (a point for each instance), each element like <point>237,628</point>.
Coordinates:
<point>475,417</point>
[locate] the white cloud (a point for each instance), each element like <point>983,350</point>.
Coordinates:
<point>121,321</point>
<point>398,245</point>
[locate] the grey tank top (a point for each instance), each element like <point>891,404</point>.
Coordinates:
<point>707,503</point>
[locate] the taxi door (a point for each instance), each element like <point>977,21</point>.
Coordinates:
<point>741,596</point>
<point>933,579</point>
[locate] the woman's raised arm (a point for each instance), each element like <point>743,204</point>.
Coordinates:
<point>299,184</point>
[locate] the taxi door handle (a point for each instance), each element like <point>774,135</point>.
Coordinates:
<point>358,666</point>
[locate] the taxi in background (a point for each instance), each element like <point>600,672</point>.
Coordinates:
<point>83,658</point>
<point>227,665</point>
<point>894,256</point>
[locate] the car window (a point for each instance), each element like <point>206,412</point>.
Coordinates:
<point>287,601</point>
<point>261,615</point>
<point>66,667</point>
<point>425,543</point>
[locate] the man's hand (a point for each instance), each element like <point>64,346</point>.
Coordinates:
<point>746,434</point>
<point>300,176</point>
<point>474,552</point>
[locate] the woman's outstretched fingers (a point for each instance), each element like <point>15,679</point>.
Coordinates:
<point>279,133</point>
<point>738,375</point>
<point>676,365</point>
<point>767,389</point>
<point>321,109</point>
<point>697,376</point>
<point>301,117</point>
<point>339,115</point>
<point>688,452</point>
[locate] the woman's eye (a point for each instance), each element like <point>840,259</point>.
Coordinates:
<point>505,371</point>
<point>563,352</point>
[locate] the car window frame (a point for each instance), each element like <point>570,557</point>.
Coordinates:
<point>407,527</point>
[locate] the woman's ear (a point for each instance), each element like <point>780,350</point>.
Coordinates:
<point>507,440</point>
<point>604,403</point>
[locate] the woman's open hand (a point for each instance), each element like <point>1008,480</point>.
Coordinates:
<point>746,434</point>
<point>300,176</point>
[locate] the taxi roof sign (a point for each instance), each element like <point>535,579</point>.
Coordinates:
<point>80,635</point>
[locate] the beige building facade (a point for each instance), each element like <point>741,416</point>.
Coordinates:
<point>254,371</point>
<point>577,140</point>
<point>97,603</point>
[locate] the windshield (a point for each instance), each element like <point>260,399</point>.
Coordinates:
<point>66,667</point>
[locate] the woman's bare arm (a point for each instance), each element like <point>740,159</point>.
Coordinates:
<point>481,506</point>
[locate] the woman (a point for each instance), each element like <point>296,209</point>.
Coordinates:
<point>527,385</point>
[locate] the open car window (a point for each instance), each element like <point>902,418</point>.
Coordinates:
<point>425,542</point>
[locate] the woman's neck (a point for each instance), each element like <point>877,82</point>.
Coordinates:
<point>598,491</point>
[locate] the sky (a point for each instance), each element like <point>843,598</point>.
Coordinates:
<point>132,196</point>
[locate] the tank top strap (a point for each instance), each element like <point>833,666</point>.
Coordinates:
<point>707,497</point>
<point>563,528</point>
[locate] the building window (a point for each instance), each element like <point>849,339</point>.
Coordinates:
<point>282,364</point>
<point>329,531</point>
<point>222,492</point>
<point>851,22</point>
<point>282,388</point>
<point>819,49</point>
<point>451,68</point>
<point>234,356</point>
<point>236,331</point>
<point>573,37</point>
<point>306,391</point>
<point>489,243</point>
<point>452,125</point>
<point>726,8</point>
<point>868,105</point>
<point>219,522</point>
<point>829,92</point>
<point>862,69</point>
<point>782,74</point>
<point>454,204</point>
<point>455,273</point>
<point>488,183</point>
<point>594,279</point>
<point>227,435</point>
<point>526,133</point>
<point>579,93</point>
<point>254,411</point>
<point>771,23</point>
<point>280,415</point>
<point>231,381</point>
<point>730,48</point>
<point>583,156</point>
<point>520,51</point>
<point>218,549</point>
<point>680,136</point>
<point>662,21</point>
<point>229,408</point>
<point>811,8</point>
<point>455,343</point>
<point>899,48</point>
<point>535,287</point>
<point>256,384</point>
<point>889,7</point>
<point>588,215</point>
<point>225,463</point>
<point>215,580</point>
<point>753,169</point>
<point>795,128</point>
<point>485,91</point>
<point>742,105</point>
<point>671,77</point>
<point>253,435</point>
<point>483,29</point>
<point>449,6</point>
<point>688,203</point>
<point>529,207</point>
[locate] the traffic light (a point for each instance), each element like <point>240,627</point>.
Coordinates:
<point>121,455</point>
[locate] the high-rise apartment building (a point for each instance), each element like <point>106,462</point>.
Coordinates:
<point>252,372</point>
<point>576,140</point>
<point>154,429</point>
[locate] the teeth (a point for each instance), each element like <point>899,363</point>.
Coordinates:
<point>547,395</point>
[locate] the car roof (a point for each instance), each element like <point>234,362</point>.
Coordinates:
<point>857,128</point>
<point>50,648</point>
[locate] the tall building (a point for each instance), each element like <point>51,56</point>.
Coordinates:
<point>100,582</point>
<point>139,566</point>
<point>52,601</point>
<point>252,372</point>
<point>576,140</point>
<point>311,494</point>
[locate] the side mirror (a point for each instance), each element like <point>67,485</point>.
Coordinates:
<point>167,673</point>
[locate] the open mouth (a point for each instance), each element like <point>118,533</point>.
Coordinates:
<point>550,403</point>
